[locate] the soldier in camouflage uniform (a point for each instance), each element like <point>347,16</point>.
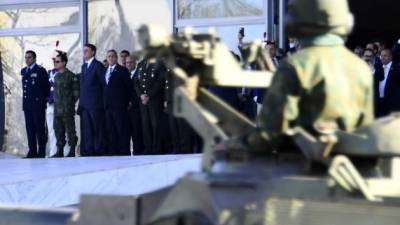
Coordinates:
<point>66,93</point>
<point>324,83</point>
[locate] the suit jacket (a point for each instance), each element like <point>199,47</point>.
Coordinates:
<point>36,88</point>
<point>391,101</point>
<point>92,83</point>
<point>150,79</point>
<point>118,91</point>
<point>396,53</point>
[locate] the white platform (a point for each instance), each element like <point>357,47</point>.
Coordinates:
<point>60,182</point>
<point>4,155</point>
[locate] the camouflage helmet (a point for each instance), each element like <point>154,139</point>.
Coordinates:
<point>312,17</point>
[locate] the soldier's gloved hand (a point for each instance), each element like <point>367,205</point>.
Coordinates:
<point>165,106</point>
<point>143,97</point>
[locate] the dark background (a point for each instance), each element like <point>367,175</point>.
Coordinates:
<point>375,19</point>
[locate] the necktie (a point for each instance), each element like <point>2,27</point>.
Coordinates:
<point>109,74</point>
<point>84,68</point>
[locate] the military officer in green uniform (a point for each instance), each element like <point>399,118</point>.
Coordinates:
<point>323,83</point>
<point>66,93</point>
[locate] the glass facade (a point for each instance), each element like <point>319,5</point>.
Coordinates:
<point>227,16</point>
<point>113,24</point>
<point>40,17</point>
<point>207,9</point>
<point>229,34</point>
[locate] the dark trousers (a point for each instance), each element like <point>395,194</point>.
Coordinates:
<point>35,122</point>
<point>150,124</point>
<point>182,135</point>
<point>136,130</point>
<point>93,133</point>
<point>248,108</point>
<point>380,108</point>
<point>117,131</point>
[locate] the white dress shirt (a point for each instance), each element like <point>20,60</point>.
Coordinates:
<point>30,67</point>
<point>88,62</point>
<point>382,84</point>
<point>133,73</point>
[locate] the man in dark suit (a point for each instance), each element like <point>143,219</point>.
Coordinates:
<point>134,111</point>
<point>396,52</point>
<point>149,86</point>
<point>124,55</point>
<point>387,85</point>
<point>36,89</point>
<point>91,104</point>
<point>117,96</point>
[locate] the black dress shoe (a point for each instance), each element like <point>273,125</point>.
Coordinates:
<point>71,152</point>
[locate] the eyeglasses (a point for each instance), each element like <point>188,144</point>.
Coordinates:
<point>57,61</point>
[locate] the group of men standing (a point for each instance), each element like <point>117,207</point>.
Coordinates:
<point>118,103</point>
<point>38,90</point>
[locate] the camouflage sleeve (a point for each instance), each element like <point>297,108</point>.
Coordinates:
<point>280,106</point>
<point>75,87</point>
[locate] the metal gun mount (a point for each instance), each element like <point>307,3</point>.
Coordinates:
<point>202,59</point>
<point>198,60</point>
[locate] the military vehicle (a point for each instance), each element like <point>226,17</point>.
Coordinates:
<point>337,178</point>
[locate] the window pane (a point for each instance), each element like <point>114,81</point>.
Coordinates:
<point>201,9</point>
<point>113,24</point>
<point>228,34</point>
<point>12,53</point>
<point>23,18</point>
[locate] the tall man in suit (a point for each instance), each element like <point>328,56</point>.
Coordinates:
<point>134,111</point>
<point>149,86</point>
<point>117,96</point>
<point>387,85</point>
<point>91,104</point>
<point>36,89</point>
